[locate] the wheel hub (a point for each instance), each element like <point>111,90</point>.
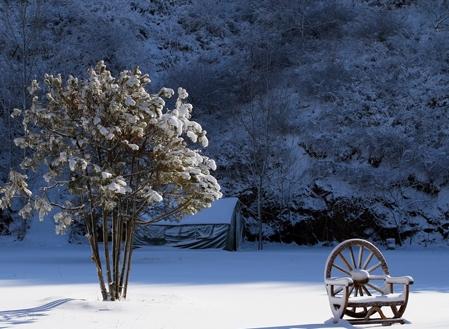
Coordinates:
<point>360,276</point>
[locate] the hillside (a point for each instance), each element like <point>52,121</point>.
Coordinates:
<point>345,102</point>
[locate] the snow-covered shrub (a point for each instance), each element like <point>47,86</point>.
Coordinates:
<point>119,151</point>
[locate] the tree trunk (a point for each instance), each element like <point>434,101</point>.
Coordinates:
<point>259,215</point>
<point>119,249</point>
<point>115,253</point>
<point>130,252</point>
<point>125,256</point>
<point>95,255</point>
<point>106,252</point>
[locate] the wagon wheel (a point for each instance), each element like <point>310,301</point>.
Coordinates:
<point>357,259</point>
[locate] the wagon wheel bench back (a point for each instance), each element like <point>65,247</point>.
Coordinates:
<point>359,285</point>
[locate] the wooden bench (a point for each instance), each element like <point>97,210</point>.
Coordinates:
<point>359,285</point>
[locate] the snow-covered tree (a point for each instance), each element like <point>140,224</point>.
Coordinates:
<point>118,151</point>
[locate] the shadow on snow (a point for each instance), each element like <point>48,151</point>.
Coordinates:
<point>28,315</point>
<point>162,265</point>
<point>328,324</point>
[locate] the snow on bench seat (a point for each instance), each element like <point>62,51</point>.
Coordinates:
<point>378,299</point>
<point>388,299</point>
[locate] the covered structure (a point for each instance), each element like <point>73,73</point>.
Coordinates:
<point>219,226</point>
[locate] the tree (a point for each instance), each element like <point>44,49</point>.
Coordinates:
<point>21,38</point>
<point>266,151</point>
<point>256,124</point>
<point>119,152</point>
<point>23,26</point>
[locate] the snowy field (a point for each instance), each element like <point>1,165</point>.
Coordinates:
<point>281,287</point>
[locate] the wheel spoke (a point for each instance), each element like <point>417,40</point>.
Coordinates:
<point>372,268</point>
<point>365,264</point>
<point>356,292</point>
<point>337,291</point>
<point>360,257</point>
<point>366,290</point>
<point>375,288</point>
<point>352,256</point>
<point>340,269</point>
<point>361,291</point>
<point>351,290</point>
<point>345,261</point>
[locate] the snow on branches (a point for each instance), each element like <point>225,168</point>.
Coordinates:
<point>114,141</point>
<point>115,147</point>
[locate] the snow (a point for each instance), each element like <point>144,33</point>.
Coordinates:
<point>339,281</point>
<point>396,297</point>
<point>278,288</point>
<point>401,279</point>
<point>40,234</point>
<point>219,213</point>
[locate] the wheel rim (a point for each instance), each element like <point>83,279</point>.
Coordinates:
<point>357,259</point>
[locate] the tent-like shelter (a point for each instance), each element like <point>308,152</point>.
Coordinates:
<point>219,226</point>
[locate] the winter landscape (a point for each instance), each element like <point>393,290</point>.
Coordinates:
<point>224,163</point>
<point>52,285</point>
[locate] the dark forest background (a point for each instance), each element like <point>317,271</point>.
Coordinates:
<point>332,115</point>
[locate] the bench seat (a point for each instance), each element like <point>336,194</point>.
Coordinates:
<point>388,299</point>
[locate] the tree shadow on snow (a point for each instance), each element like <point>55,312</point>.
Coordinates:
<point>302,265</point>
<point>28,315</point>
<point>325,325</point>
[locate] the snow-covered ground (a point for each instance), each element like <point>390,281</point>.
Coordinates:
<point>54,286</point>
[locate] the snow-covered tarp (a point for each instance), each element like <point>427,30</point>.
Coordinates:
<point>221,212</point>
<point>219,226</point>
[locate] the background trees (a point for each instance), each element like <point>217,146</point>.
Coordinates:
<point>367,97</point>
